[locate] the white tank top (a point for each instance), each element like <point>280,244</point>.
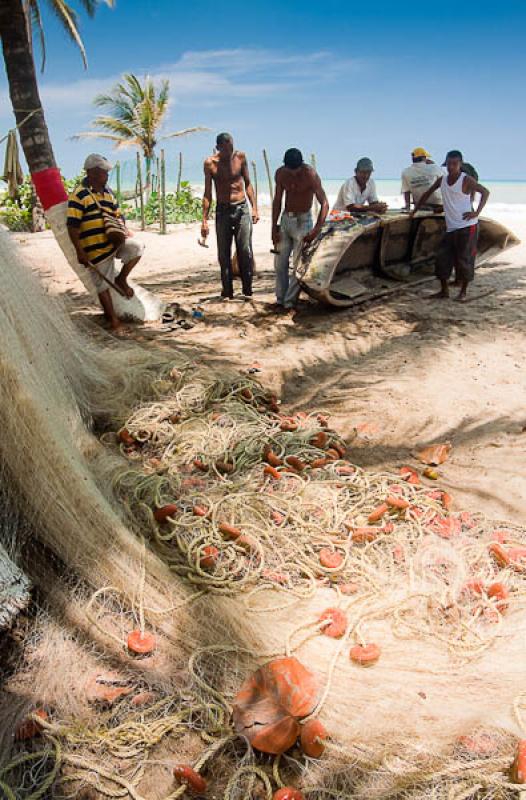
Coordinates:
<point>456,203</point>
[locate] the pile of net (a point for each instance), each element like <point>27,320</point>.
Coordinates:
<point>230,607</point>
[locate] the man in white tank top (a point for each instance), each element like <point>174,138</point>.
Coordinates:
<point>459,245</point>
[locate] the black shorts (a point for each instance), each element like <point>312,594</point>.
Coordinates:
<point>458,249</point>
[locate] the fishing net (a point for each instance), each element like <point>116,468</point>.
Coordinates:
<point>203,543</point>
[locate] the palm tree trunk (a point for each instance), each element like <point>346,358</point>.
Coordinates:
<point>23,87</point>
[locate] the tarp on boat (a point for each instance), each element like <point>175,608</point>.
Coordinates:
<point>336,268</point>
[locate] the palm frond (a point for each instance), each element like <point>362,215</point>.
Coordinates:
<point>94,135</point>
<point>184,132</point>
<point>33,12</point>
<point>68,19</point>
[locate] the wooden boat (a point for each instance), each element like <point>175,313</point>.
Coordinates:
<point>353,255</point>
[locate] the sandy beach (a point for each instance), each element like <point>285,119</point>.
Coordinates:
<point>402,372</point>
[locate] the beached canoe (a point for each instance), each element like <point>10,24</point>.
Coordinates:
<point>351,257</point>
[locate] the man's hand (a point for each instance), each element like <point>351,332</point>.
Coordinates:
<point>310,236</point>
<point>255,216</point>
<point>128,233</point>
<point>379,208</point>
<point>82,257</point>
<point>276,236</point>
<point>470,215</point>
<point>204,229</point>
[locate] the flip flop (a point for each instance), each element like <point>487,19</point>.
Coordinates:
<point>167,318</point>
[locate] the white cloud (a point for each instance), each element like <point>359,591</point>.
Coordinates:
<point>212,77</point>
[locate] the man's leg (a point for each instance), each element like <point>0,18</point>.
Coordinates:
<point>281,261</point>
<point>130,253</point>
<point>245,256</point>
<point>466,252</point>
<point>109,312</point>
<point>444,264</point>
<point>301,228</point>
<point>224,236</point>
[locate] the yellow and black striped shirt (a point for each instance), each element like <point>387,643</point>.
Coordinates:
<point>84,213</point>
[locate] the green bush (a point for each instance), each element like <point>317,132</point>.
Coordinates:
<point>16,214</point>
<point>181,207</point>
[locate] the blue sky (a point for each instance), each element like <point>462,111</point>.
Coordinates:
<point>329,77</point>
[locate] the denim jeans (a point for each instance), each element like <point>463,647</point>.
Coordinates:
<point>234,221</point>
<point>292,231</point>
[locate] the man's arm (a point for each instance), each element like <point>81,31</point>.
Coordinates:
<point>249,189</point>
<point>472,186</point>
<point>74,219</point>
<point>321,197</point>
<point>407,199</point>
<point>207,199</point>
<point>74,235</point>
<point>425,197</point>
<point>276,208</point>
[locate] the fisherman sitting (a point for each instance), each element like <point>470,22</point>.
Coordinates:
<point>358,194</point>
<point>88,231</point>
<point>417,179</point>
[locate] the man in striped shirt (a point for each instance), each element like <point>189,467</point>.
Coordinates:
<point>88,234</point>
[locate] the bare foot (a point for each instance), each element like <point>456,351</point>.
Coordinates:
<point>461,298</point>
<point>117,327</point>
<point>439,295</point>
<point>123,284</point>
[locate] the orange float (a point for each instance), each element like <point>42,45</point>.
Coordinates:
<point>518,769</point>
<point>499,592</point>
<point>365,654</point>
<point>162,514</point>
<point>230,531</point>
<point>332,559</point>
<point>141,643</point>
<point>409,475</point>
<point>29,727</point>
<point>288,793</point>
<point>378,513</point>
<point>188,776</point>
<point>272,472</point>
<point>268,706</point>
<point>333,623</point>
<point>209,557</point>
<point>313,735</point>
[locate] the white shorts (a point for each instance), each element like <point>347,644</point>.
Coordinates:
<point>128,251</point>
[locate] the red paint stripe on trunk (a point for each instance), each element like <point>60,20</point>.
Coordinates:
<point>49,187</point>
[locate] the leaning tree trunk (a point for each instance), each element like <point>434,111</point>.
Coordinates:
<point>36,144</point>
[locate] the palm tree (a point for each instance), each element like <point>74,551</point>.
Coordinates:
<point>135,113</point>
<point>68,18</point>
<point>15,16</point>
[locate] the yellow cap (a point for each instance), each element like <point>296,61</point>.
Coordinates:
<point>420,152</point>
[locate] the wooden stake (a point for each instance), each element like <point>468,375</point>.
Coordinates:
<point>141,195</point>
<point>254,170</point>
<point>179,173</point>
<point>269,175</point>
<point>162,194</point>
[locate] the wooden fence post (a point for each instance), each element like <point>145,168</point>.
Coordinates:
<point>162,194</point>
<point>269,176</point>
<point>254,170</point>
<point>179,173</point>
<point>140,186</point>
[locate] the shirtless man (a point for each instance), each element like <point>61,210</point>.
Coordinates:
<point>228,170</point>
<point>300,183</point>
